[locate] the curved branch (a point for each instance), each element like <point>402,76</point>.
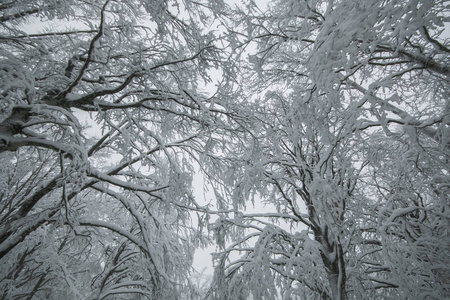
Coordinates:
<point>90,52</point>
<point>435,42</point>
<point>8,143</point>
<point>113,228</point>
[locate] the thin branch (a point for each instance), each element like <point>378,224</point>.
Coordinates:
<point>90,51</point>
<point>435,42</point>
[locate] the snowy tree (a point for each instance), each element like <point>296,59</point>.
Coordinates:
<point>333,114</point>
<point>350,151</point>
<point>102,124</point>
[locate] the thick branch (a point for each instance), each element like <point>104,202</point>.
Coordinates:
<point>12,144</point>
<point>405,117</point>
<point>425,61</point>
<point>31,225</point>
<point>19,15</point>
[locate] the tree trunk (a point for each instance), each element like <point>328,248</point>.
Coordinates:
<point>333,259</point>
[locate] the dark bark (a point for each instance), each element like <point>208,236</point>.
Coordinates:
<point>335,267</point>
<point>19,15</point>
<point>13,125</point>
<point>15,122</point>
<point>336,272</point>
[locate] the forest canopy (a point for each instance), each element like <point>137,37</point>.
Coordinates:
<point>320,129</point>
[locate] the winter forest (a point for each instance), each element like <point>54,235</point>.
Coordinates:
<point>302,145</point>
